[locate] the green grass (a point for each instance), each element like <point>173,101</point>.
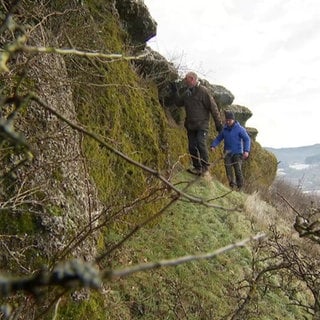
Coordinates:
<point>201,289</point>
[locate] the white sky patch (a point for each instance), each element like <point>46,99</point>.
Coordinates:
<point>265,52</point>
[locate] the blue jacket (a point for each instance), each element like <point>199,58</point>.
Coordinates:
<point>236,139</point>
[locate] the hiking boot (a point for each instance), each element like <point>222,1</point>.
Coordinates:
<point>239,188</point>
<point>205,171</point>
<point>233,185</point>
<point>195,171</point>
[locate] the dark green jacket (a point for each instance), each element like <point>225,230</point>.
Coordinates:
<point>199,105</point>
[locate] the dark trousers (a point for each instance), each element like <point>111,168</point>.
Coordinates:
<point>198,148</point>
<point>233,164</point>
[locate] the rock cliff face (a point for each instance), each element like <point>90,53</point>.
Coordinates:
<point>60,196</point>
<point>57,189</point>
<point>98,122</point>
<point>59,167</point>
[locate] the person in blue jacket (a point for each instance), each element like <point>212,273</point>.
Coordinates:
<point>236,148</point>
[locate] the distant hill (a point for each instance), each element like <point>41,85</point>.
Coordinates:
<point>299,166</point>
<point>295,155</point>
<point>313,159</point>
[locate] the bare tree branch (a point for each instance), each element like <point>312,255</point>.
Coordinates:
<point>19,45</point>
<point>177,261</point>
<point>76,273</point>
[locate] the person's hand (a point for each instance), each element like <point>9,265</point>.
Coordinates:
<point>219,128</point>
<point>245,155</point>
<point>173,87</point>
<point>212,148</point>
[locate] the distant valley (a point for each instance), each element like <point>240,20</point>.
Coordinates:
<point>299,166</point>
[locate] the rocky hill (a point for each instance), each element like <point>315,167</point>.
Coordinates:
<point>90,141</point>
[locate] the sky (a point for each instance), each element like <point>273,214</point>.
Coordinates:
<point>266,52</point>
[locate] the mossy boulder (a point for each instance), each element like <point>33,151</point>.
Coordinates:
<point>242,114</point>
<point>137,21</point>
<point>221,95</point>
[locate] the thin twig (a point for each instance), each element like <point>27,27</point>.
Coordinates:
<point>289,204</point>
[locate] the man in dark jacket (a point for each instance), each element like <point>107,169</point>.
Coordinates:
<point>199,104</point>
<point>236,147</point>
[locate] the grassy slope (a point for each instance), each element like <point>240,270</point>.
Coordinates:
<point>201,289</point>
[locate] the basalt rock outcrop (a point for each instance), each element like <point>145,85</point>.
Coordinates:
<point>137,21</point>
<point>222,96</point>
